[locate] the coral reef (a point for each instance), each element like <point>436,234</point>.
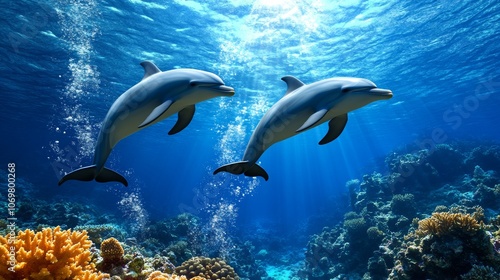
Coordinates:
<point>374,234</point>
<point>209,268</point>
<point>248,260</point>
<point>172,238</point>
<point>158,275</point>
<point>356,228</point>
<point>432,214</point>
<point>64,214</point>
<point>327,254</point>
<point>425,168</point>
<point>136,266</point>
<point>404,204</point>
<point>487,187</point>
<point>481,272</point>
<point>446,246</point>
<point>48,254</point>
<point>451,180</point>
<point>486,156</point>
<point>35,213</point>
<point>96,233</point>
<point>179,251</point>
<point>171,230</point>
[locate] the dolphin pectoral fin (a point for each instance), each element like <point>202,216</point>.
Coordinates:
<point>292,83</point>
<point>313,119</point>
<point>255,171</point>
<point>149,69</point>
<point>243,167</point>
<point>184,118</point>
<point>86,173</point>
<point>108,175</point>
<point>335,128</point>
<point>156,113</point>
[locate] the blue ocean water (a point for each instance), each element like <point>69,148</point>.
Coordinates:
<point>65,62</point>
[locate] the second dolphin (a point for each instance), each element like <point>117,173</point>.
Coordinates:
<point>304,107</point>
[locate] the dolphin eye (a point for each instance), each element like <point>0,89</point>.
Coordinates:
<point>193,84</point>
<point>345,90</point>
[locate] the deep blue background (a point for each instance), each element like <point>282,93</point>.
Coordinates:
<point>63,65</point>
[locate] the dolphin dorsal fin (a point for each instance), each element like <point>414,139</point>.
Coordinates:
<point>292,83</point>
<point>149,69</point>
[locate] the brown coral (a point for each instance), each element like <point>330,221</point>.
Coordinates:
<point>443,223</point>
<point>157,275</point>
<point>111,250</point>
<point>208,268</point>
<point>48,254</point>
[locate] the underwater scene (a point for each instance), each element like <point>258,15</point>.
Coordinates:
<point>238,139</point>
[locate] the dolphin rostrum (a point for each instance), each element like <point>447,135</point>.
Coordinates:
<point>158,96</point>
<point>304,107</point>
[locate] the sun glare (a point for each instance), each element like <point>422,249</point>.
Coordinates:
<point>272,3</point>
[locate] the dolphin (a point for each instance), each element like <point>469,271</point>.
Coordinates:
<point>304,107</point>
<point>156,97</point>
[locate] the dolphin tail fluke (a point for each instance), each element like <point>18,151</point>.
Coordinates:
<point>243,167</point>
<point>255,170</point>
<point>88,173</point>
<point>108,175</point>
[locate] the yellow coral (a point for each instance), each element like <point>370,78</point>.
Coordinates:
<point>87,275</point>
<point>111,249</point>
<point>48,254</point>
<point>443,223</point>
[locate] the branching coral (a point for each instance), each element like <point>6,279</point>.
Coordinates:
<point>87,275</point>
<point>443,223</point>
<point>5,257</point>
<point>48,254</point>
